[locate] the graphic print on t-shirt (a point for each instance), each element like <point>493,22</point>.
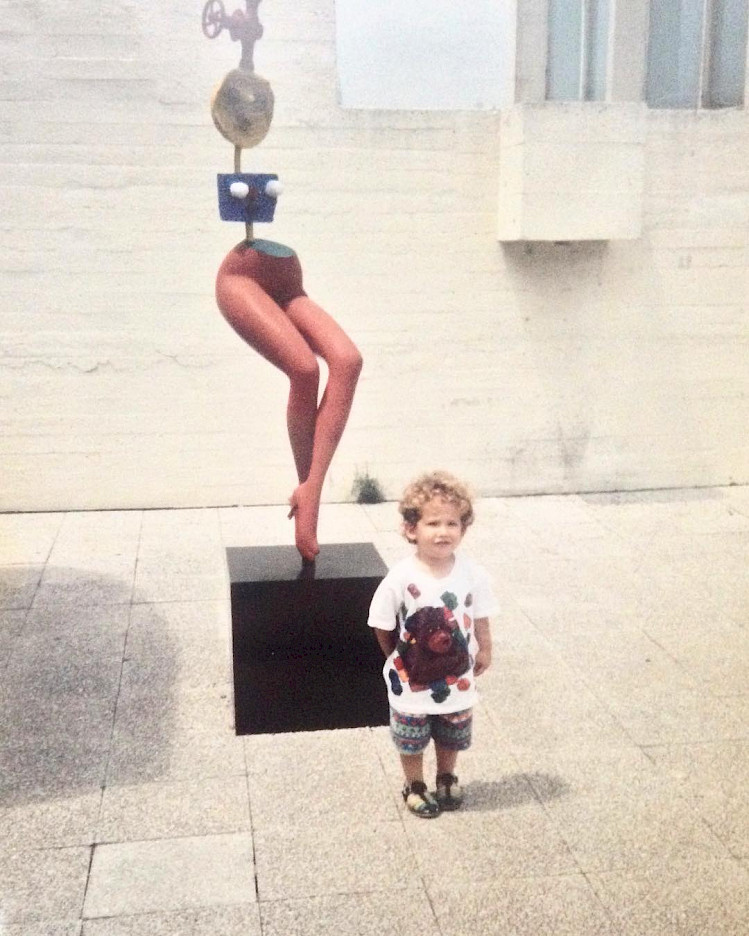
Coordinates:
<point>432,652</point>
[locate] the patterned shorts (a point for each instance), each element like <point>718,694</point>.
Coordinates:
<point>411,733</point>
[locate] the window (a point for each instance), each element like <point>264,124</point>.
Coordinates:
<point>577,50</point>
<point>697,53</point>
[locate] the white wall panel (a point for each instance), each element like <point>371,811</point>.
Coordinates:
<point>524,367</point>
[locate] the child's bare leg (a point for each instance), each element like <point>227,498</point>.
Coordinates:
<point>327,339</point>
<point>447,758</point>
<point>413,767</point>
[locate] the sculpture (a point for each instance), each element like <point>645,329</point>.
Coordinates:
<point>260,293</point>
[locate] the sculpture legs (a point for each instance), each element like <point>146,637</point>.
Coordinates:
<point>290,338</point>
<point>327,339</point>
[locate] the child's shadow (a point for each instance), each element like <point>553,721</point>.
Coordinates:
<point>514,790</point>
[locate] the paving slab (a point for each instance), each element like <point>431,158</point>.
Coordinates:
<point>242,920</point>
<point>344,523</point>
<point>65,589</point>
<point>18,585</point>
<point>667,612</point>
<point>263,525</point>
<point>620,811</point>
<point>51,765</point>
<point>653,716</point>
<point>150,741</point>
<point>331,858</point>
<point>176,533</point>
<point>47,928</point>
<point>634,833</point>
<point>740,707</point>
<point>43,884</point>
<point>92,535</point>
<point>86,622</point>
<point>48,718</point>
<point>171,578</point>
<point>50,822</point>
<point>582,615</point>
<point>352,791</point>
<point>713,780</point>
<point>377,913</point>
<point>686,899</point>
<point>12,623</point>
<point>544,707</point>
<point>727,588</point>
<point>564,905</point>
<point>171,809</point>
<point>313,750</point>
<point>180,642</point>
<point>518,644</point>
<point>717,657</point>
<point>511,790</point>
<point>142,703</point>
<point>648,513</point>
<point>28,538</point>
<point>625,660</point>
<point>170,874</point>
<point>86,665</point>
<point>511,843</point>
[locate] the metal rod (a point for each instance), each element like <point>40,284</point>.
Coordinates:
<point>248,231</point>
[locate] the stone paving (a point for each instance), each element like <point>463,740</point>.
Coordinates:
<point>607,787</point>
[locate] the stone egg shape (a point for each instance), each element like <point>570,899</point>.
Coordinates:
<point>242,108</point>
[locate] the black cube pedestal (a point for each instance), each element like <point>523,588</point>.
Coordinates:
<point>304,657</point>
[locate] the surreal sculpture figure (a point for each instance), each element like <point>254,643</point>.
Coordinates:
<point>259,286</point>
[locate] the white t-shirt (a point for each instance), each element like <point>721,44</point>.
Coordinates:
<point>431,669</point>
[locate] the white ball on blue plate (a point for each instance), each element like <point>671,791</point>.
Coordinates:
<point>239,189</point>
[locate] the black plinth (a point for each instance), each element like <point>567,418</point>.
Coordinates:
<point>304,657</point>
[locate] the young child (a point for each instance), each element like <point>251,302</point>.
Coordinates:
<point>431,617</point>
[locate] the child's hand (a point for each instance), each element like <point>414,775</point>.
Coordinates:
<point>482,662</point>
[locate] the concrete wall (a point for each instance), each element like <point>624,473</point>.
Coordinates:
<point>525,367</point>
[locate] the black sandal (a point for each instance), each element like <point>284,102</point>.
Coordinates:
<point>449,793</point>
<point>420,801</point>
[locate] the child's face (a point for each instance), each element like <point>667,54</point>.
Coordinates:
<point>438,531</point>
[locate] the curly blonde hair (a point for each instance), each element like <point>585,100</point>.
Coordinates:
<point>428,486</point>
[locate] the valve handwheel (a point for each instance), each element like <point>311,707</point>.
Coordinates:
<point>214,17</point>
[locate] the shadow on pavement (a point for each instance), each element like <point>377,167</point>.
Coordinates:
<point>68,673</point>
<point>514,790</point>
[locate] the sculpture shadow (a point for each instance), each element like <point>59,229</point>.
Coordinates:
<point>512,791</point>
<point>73,701</point>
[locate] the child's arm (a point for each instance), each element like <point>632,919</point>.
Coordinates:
<point>387,640</point>
<point>484,639</point>
<point>384,610</point>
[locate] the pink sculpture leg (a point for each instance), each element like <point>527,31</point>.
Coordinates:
<point>328,340</point>
<point>252,291</point>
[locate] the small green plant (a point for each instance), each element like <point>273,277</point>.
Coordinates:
<point>367,490</point>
